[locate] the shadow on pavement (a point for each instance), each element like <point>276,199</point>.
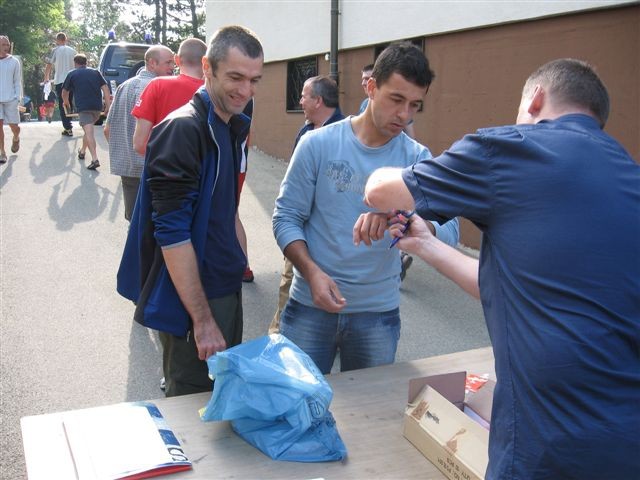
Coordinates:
<point>7,170</point>
<point>58,160</point>
<point>85,203</point>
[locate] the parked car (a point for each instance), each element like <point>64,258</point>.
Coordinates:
<point>120,61</point>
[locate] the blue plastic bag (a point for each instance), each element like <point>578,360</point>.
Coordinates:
<point>276,399</point>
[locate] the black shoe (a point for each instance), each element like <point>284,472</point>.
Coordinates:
<point>81,155</point>
<point>67,132</point>
<point>93,165</point>
<point>406,260</point>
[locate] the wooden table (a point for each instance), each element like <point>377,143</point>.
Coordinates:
<point>368,406</point>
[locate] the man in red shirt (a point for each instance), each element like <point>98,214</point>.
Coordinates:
<point>163,95</point>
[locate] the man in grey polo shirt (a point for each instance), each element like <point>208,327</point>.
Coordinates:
<point>124,160</point>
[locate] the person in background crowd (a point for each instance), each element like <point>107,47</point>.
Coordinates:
<point>49,97</point>
<point>165,94</point>
<point>61,61</point>
<point>123,159</point>
<point>90,92</point>
<point>10,96</point>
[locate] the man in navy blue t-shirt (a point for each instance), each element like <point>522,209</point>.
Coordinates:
<point>90,92</point>
<point>558,202</point>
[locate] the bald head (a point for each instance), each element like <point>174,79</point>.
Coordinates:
<point>158,59</point>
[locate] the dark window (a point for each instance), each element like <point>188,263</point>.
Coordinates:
<point>127,56</point>
<point>297,72</point>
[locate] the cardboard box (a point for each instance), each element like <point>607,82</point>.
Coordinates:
<point>435,423</point>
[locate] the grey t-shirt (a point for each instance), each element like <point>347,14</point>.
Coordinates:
<point>62,60</point>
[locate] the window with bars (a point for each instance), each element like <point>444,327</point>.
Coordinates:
<point>297,72</point>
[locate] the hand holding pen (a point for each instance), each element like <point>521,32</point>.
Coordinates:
<point>406,215</point>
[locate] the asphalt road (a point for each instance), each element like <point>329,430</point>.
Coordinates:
<point>67,339</point>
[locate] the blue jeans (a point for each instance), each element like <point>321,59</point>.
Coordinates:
<point>364,339</point>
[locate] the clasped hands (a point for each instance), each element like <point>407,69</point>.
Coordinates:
<point>371,227</point>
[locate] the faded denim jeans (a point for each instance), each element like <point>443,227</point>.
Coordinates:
<point>364,339</point>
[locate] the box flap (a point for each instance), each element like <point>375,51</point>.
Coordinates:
<point>482,400</point>
<point>449,385</point>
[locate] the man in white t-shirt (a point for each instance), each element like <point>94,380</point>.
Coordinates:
<point>62,61</point>
<point>10,93</point>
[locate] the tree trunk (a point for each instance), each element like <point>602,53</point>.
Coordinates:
<point>156,22</point>
<point>194,19</point>
<point>164,22</point>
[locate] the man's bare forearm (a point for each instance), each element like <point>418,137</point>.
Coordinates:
<point>453,264</point>
<point>141,135</point>
<point>298,254</point>
<point>183,268</point>
<point>47,72</point>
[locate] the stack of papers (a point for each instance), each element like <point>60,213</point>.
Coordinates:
<point>123,441</point>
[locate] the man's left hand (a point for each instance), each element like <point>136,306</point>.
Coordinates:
<point>369,227</point>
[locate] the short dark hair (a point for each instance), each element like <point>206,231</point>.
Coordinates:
<point>191,51</point>
<point>368,67</point>
<point>61,36</point>
<point>80,59</point>
<point>326,88</point>
<point>572,82</point>
<point>407,60</point>
<point>232,36</point>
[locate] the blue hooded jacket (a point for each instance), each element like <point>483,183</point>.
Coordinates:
<point>162,219</point>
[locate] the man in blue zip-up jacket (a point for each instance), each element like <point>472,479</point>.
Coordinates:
<point>182,262</point>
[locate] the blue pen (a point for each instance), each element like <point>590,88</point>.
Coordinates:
<point>407,215</point>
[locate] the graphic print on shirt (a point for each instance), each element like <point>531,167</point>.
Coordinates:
<point>344,177</point>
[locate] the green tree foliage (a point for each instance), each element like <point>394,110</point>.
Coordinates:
<point>175,20</point>
<point>31,25</point>
<point>94,18</point>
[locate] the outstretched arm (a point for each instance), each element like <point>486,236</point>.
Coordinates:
<point>386,191</point>
<point>453,264</point>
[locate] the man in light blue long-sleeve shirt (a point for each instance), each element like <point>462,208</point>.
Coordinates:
<point>346,297</point>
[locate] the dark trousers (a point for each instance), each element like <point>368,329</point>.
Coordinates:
<point>130,186</point>
<point>184,372</point>
<point>66,121</point>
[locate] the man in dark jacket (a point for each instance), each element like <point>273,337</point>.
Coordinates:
<point>182,263</point>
